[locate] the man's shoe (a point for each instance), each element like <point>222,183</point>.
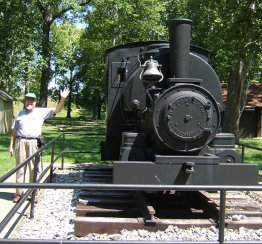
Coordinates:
<point>17,199</point>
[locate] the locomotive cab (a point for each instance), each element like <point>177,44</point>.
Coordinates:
<point>164,113</point>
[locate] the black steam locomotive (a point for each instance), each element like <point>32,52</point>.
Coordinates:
<point>163,116</point>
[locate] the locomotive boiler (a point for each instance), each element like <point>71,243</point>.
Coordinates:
<point>164,108</point>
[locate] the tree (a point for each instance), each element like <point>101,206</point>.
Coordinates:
<point>18,46</point>
<point>243,48</point>
<point>110,23</point>
<point>229,29</point>
<point>25,43</point>
<point>51,11</point>
<point>65,42</point>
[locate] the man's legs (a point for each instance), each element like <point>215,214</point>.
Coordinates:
<point>31,149</point>
<point>20,155</point>
<point>24,149</point>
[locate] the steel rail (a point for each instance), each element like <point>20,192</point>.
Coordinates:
<point>248,146</point>
<point>37,241</point>
<point>132,187</point>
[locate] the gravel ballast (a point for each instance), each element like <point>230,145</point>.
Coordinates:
<point>55,216</point>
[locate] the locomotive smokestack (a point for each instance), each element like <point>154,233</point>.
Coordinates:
<point>179,38</point>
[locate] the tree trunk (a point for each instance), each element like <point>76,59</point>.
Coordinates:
<point>48,19</point>
<point>95,108</point>
<point>99,108</point>
<point>69,105</point>
<point>94,116</point>
<point>236,97</point>
<point>26,80</point>
<point>46,72</point>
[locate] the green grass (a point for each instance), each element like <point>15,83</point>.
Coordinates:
<point>252,155</point>
<point>79,123</point>
<point>74,142</point>
<point>6,162</point>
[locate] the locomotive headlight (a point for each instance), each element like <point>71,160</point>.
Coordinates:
<point>151,72</point>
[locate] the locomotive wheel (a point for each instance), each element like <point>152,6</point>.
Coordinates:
<point>229,156</point>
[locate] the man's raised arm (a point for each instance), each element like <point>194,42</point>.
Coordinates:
<point>64,95</point>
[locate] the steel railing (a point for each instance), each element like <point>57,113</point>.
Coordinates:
<point>243,147</point>
<point>37,178</point>
<point>37,185</point>
<point>97,187</point>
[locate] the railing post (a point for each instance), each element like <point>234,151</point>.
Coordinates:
<point>222,211</point>
<point>52,162</point>
<point>243,153</point>
<point>63,149</point>
<point>34,180</point>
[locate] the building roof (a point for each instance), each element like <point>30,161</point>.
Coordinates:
<point>5,96</point>
<point>254,94</point>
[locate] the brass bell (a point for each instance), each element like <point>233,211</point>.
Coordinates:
<point>151,71</point>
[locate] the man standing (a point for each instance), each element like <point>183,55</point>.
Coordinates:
<point>27,127</point>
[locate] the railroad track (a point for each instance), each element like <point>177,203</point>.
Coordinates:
<point>111,211</point>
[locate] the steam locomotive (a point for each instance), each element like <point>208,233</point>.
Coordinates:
<point>164,107</point>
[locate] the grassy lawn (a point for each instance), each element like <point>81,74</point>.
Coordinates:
<point>252,155</point>
<point>79,123</point>
<point>76,141</point>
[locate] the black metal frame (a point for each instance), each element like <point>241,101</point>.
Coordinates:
<point>36,178</point>
<point>243,146</point>
<point>97,187</point>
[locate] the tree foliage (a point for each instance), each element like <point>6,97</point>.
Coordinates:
<point>110,23</point>
<point>65,42</point>
<point>19,42</point>
<point>229,29</point>
<point>25,43</point>
<point>52,11</point>
<point>37,43</point>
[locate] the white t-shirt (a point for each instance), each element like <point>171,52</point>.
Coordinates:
<point>29,124</point>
